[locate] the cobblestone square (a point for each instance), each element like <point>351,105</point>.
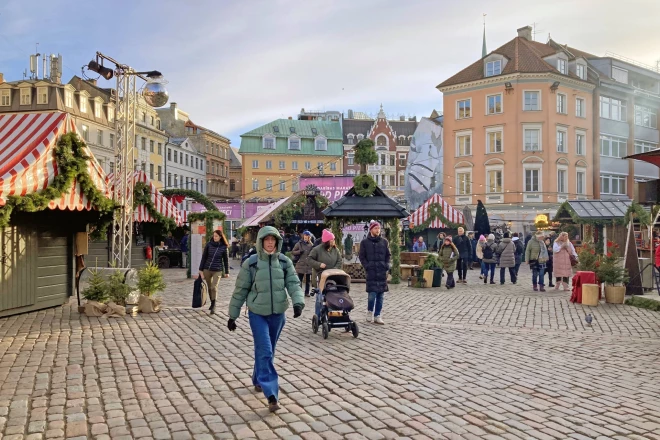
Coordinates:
<point>477,362</point>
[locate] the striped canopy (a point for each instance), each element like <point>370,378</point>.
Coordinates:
<point>422,214</point>
<point>27,159</point>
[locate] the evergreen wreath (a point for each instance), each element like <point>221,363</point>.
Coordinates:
<point>364,185</point>
<point>435,213</point>
<point>72,165</point>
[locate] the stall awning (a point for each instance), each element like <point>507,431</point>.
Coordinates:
<point>262,215</point>
<point>422,214</point>
<point>650,157</point>
<point>598,209</point>
<point>27,159</point>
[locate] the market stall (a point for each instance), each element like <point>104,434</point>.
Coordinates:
<point>432,217</point>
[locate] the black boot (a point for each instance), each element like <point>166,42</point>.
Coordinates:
<point>272,404</point>
<point>212,308</point>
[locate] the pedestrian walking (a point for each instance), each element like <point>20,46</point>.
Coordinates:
<point>473,255</point>
<point>549,263</point>
<point>325,256</point>
<point>519,252</point>
<point>212,264</point>
<point>375,258</point>
<point>536,256</point>
<point>300,254</point>
<point>184,248</point>
<point>507,258</point>
<point>462,243</point>
<point>234,247</point>
<point>479,253</point>
<point>419,245</point>
<point>439,241</point>
<point>489,259</point>
<point>563,250</point>
<point>264,285</point>
<point>449,255</point>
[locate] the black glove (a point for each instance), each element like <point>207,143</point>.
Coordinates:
<point>297,310</point>
<point>231,325</point>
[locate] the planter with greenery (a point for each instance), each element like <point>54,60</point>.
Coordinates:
<point>433,265</point>
<point>96,294</point>
<point>150,282</point>
<point>118,291</point>
<point>611,272</point>
<point>588,258</point>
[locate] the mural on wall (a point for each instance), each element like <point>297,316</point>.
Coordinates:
<point>425,160</point>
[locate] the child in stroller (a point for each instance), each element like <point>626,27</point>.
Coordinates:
<point>333,303</point>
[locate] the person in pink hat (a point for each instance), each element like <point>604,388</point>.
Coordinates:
<point>375,257</point>
<point>325,256</point>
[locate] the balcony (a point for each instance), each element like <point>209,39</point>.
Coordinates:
<point>384,169</point>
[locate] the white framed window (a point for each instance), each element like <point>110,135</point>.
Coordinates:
<point>151,149</point>
<point>282,165</point>
<point>494,104</point>
<point>294,165</point>
<point>581,181</point>
<point>308,166</point>
<point>351,139</point>
<point>294,143</point>
<point>255,185</point>
<point>255,164</point>
<point>282,185</point>
<point>269,143</point>
<point>580,108</point>
<point>494,140</point>
<point>392,160</point>
<point>151,171</point>
<point>402,159</point>
<point>532,137</point>
<point>562,66</point>
<point>561,104</point>
<point>463,144</point>
<point>99,137</point>
<point>97,109</point>
<point>494,178</point>
<point>5,98</point>
<point>321,144</point>
<point>294,185</point>
<point>68,98</point>
<point>646,116</point>
<point>111,114</point>
<point>464,108</point>
<point>42,95</point>
<point>360,137</point>
<point>26,96</point>
<point>644,147</point>
<point>531,100</point>
<point>562,180</point>
<point>333,166</point>
<point>612,108</point>
<point>350,157</point>
<point>351,172</point>
<point>580,143</point>
<point>269,164</point>
<point>581,71</point>
<point>85,133</point>
<point>269,184</point>
<point>83,104</point>
<point>612,146</point>
<point>561,141</point>
<point>160,173</point>
<point>619,75</point>
<point>532,180</point>
<point>493,68</point>
<point>111,138</point>
<point>612,184</point>
<point>464,183</point>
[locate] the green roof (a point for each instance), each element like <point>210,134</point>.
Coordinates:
<point>251,142</point>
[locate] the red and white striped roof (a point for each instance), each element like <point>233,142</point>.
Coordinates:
<point>27,158</point>
<point>422,214</point>
<point>162,204</point>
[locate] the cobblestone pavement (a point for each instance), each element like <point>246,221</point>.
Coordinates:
<point>478,362</point>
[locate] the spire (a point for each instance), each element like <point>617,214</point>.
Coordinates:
<point>381,113</point>
<point>484,51</point>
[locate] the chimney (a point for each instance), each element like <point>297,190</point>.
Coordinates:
<point>172,105</point>
<point>525,32</point>
<point>2,78</point>
<point>290,118</point>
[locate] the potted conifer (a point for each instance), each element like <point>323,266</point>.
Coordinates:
<point>611,272</point>
<point>150,282</point>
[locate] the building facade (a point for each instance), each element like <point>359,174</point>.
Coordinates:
<point>150,140</point>
<point>392,143</point>
<point>518,130</point>
<point>276,154</point>
<point>185,167</point>
<point>235,174</point>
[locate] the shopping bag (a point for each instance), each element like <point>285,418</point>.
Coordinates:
<point>199,293</point>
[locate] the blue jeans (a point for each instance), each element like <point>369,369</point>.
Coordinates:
<point>375,300</point>
<point>517,267</point>
<point>490,267</point>
<point>265,332</point>
<point>484,269</point>
<point>538,275</point>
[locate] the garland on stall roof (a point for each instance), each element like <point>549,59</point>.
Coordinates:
<point>72,165</point>
<point>364,185</point>
<point>142,196</point>
<point>395,250</point>
<point>643,216</point>
<point>195,195</point>
<point>285,214</point>
<point>435,213</point>
<point>208,218</point>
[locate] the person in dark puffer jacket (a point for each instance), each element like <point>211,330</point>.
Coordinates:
<point>375,257</point>
<point>214,261</point>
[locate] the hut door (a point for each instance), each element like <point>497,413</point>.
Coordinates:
<point>17,266</point>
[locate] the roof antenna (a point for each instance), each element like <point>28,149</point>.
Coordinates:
<point>484,51</point>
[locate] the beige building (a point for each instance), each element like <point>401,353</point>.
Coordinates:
<point>150,142</point>
<point>235,174</point>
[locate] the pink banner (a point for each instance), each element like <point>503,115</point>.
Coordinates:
<point>232,210</point>
<point>332,187</point>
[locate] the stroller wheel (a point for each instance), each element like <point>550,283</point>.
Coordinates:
<point>347,328</point>
<point>355,330</point>
<point>315,324</point>
<point>325,329</point>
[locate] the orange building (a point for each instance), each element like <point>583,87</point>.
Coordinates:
<point>518,130</point>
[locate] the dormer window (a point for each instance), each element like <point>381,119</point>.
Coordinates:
<point>276,129</point>
<point>83,104</point>
<point>315,131</point>
<point>26,96</point>
<point>97,109</point>
<point>42,95</point>
<point>321,144</point>
<point>292,129</point>
<point>111,114</point>
<point>581,71</point>
<point>269,142</point>
<point>294,142</point>
<point>493,68</point>
<point>68,98</point>
<point>5,98</point>
<point>562,66</point>
<point>360,137</point>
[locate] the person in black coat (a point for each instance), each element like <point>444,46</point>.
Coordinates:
<point>375,257</point>
<point>215,262</point>
<point>464,246</point>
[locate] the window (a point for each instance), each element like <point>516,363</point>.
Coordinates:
<point>26,96</point>
<point>464,183</point>
<point>351,139</point>
<point>610,184</point>
<point>85,133</point>
<point>562,66</point>
<point>111,137</point>
<point>176,181</point>
<point>383,158</point>
<point>580,182</point>
<point>5,98</point>
<point>612,146</point>
<point>176,157</point>
<point>493,68</point>
<point>201,165</point>
<point>532,180</point>
<point>294,165</point>
<point>151,120</point>
<point>68,98</point>
<point>282,165</point>
<point>111,114</point>
<point>42,95</point>
<point>494,181</point>
<point>333,166</point>
<point>97,109</point>
<point>402,160</point>
<point>494,141</point>
<point>169,154</point>
<point>580,108</point>
<point>294,185</point>
<point>144,144</point>
<point>581,71</point>
<point>112,167</point>
<point>83,104</point>
<point>580,143</point>
<point>269,184</point>
<point>646,117</point>
<point>561,103</point>
<point>186,160</point>
<point>351,172</point>
<point>620,75</point>
<point>282,185</point>
<point>144,167</point>
<point>392,180</point>
<point>494,104</point>
<point>99,137</point>
<point>644,147</point>
<point>561,141</point>
<point>144,117</point>
<point>321,144</point>
<point>532,139</point>
<point>351,158</point>
<point>308,166</point>
<point>269,164</point>
<point>255,164</point>
<point>255,185</point>
<point>169,179</point>
<point>463,109</point>
<point>532,101</point>
<point>151,171</point>
<point>269,143</point>
<point>612,108</point>
<point>158,124</point>
<point>292,129</point>
<point>360,137</point>
<point>160,173</point>
<point>561,181</point>
<point>294,143</point>
<point>319,166</point>
<point>464,145</point>
<point>392,160</point>
<point>151,146</point>
<point>232,185</point>
<point>160,149</point>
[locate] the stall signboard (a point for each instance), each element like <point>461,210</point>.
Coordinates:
<point>233,209</point>
<point>332,188</point>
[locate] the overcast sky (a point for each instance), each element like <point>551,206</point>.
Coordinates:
<point>234,65</point>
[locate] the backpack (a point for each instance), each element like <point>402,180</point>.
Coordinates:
<point>519,248</point>
<point>252,265</point>
<point>488,252</point>
<point>248,254</point>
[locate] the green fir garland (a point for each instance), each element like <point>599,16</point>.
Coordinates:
<point>195,195</point>
<point>435,213</point>
<point>364,185</point>
<point>643,216</point>
<point>336,226</point>
<point>208,218</point>
<point>395,250</point>
<point>142,196</point>
<point>285,214</point>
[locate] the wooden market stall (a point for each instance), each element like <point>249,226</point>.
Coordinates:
<point>432,217</point>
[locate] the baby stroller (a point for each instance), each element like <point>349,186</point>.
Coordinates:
<point>333,303</point>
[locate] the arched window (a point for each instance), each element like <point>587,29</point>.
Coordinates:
<point>351,139</point>
<point>381,141</point>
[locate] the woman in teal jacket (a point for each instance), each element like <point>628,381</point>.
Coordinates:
<point>263,282</point>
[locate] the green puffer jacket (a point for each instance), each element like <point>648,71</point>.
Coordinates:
<point>267,293</point>
<point>445,256</point>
